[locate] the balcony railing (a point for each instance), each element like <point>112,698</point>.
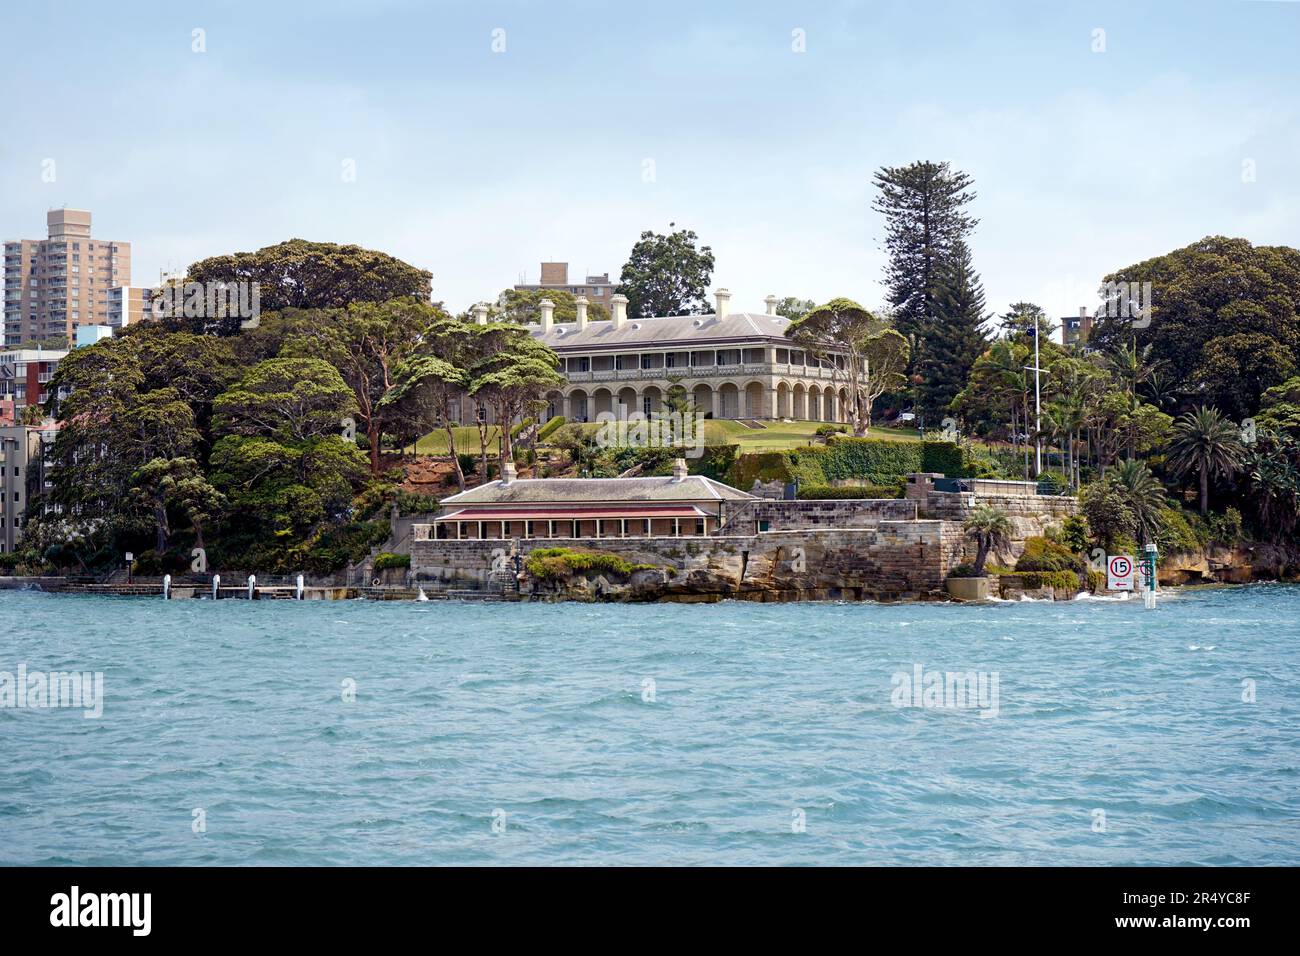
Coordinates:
<point>702,371</point>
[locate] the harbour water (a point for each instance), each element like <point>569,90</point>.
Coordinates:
<point>365,732</point>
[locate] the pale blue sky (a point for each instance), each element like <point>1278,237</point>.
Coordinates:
<point>477,165</point>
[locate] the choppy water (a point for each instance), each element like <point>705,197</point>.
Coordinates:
<point>761,715</point>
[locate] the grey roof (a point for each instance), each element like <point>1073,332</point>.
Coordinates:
<point>586,490</point>
<point>684,330</point>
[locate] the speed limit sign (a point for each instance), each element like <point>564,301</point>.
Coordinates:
<point>1119,573</point>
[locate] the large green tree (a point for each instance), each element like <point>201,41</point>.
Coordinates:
<point>666,274</point>
<point>862,350</point>
<point>315,275</point>
<point>1204,298</point>
<point>956,338</point>
<point>924,208</point>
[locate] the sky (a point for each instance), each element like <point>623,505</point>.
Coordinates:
<point>477,139</point>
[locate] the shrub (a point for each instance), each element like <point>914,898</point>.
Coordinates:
<point>387,559</point>
<point>963,571</point>
<point>826,431</point>
<point>1044,554</point>
<point>857,459</point>
<point>1033,580</point>
<point>554,564</point>
<point>468,462</point>
<point>550,427</point>
<point>1177,533</point>
<point>814,492</point>
<point>1226,528</point>
<point>1073,534</point>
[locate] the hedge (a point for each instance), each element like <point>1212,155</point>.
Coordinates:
<point>554,564</point>
<point>814,492</point>
<point>863,459</point>
<point>387,559</point>
<point>547,430</point>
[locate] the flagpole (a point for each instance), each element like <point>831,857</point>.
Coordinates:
<point>1038,419</point>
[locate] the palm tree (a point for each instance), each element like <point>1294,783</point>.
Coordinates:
<point>991,529</point>
<point>1205,442</point>
<point>1144,495</point>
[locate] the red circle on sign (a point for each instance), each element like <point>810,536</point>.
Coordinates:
<point>1120,566</point>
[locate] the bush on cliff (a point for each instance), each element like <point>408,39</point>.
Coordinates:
<point>1044,554</point>
<point>556,564</point>
<point>387,559</point>
<point>1034,580</point>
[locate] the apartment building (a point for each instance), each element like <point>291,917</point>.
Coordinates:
<point>736,365</point>
<point>1076,329</point>
<point>25,376</point>
<point>23,477</point>
<point>128,305</point>
<point>555,275</point>
<point>56,284</point>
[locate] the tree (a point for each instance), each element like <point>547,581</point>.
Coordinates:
<point>923,204</point>
<point>1214,288</point>
<point>1108,513</point>
<point>667,275</point>
<point>367,343</point>
<point>991,530</point>
<point>314,275</point>
<point>793,308</point>
<point>1019,320</point>
<point>1208,444</point>
<point>1235,370</point>
<point>439,373</point>
<point>1272,471</point>
<point>956,338</point>
<point>288,399</point>
<point>524,306</point>
<point>868,355</point>
<point>166,483</point>
<point>1143,495</point>
<point>515,372</point>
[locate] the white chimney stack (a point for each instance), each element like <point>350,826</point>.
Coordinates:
<point>619,302</point>
<point>547,308</point>
<point>580,304</point>
<point>771,304</point>
<point>679,469</point>
<point>722,297</point>
<point>507,472</point>
<point>480,312</point>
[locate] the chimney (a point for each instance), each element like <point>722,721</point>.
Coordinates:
<point>580,304</point>
<point>507,472</point>
<point>722,297</point>
<point>548,312</point>
<point>679,469</point>
<point>771,304</point>
<point>480,312</point>
<point>619,302</point>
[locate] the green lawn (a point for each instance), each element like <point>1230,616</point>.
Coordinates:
<point>771,436</point>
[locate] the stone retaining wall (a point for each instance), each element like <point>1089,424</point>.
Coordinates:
<point>825,513</point>
<point>894,560</point>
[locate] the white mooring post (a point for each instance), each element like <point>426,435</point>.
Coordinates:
<point>252,585</point>
<point>300,588</point>
<point>216,583</point>
<point>167,587</point>
<point>1149,595</point>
